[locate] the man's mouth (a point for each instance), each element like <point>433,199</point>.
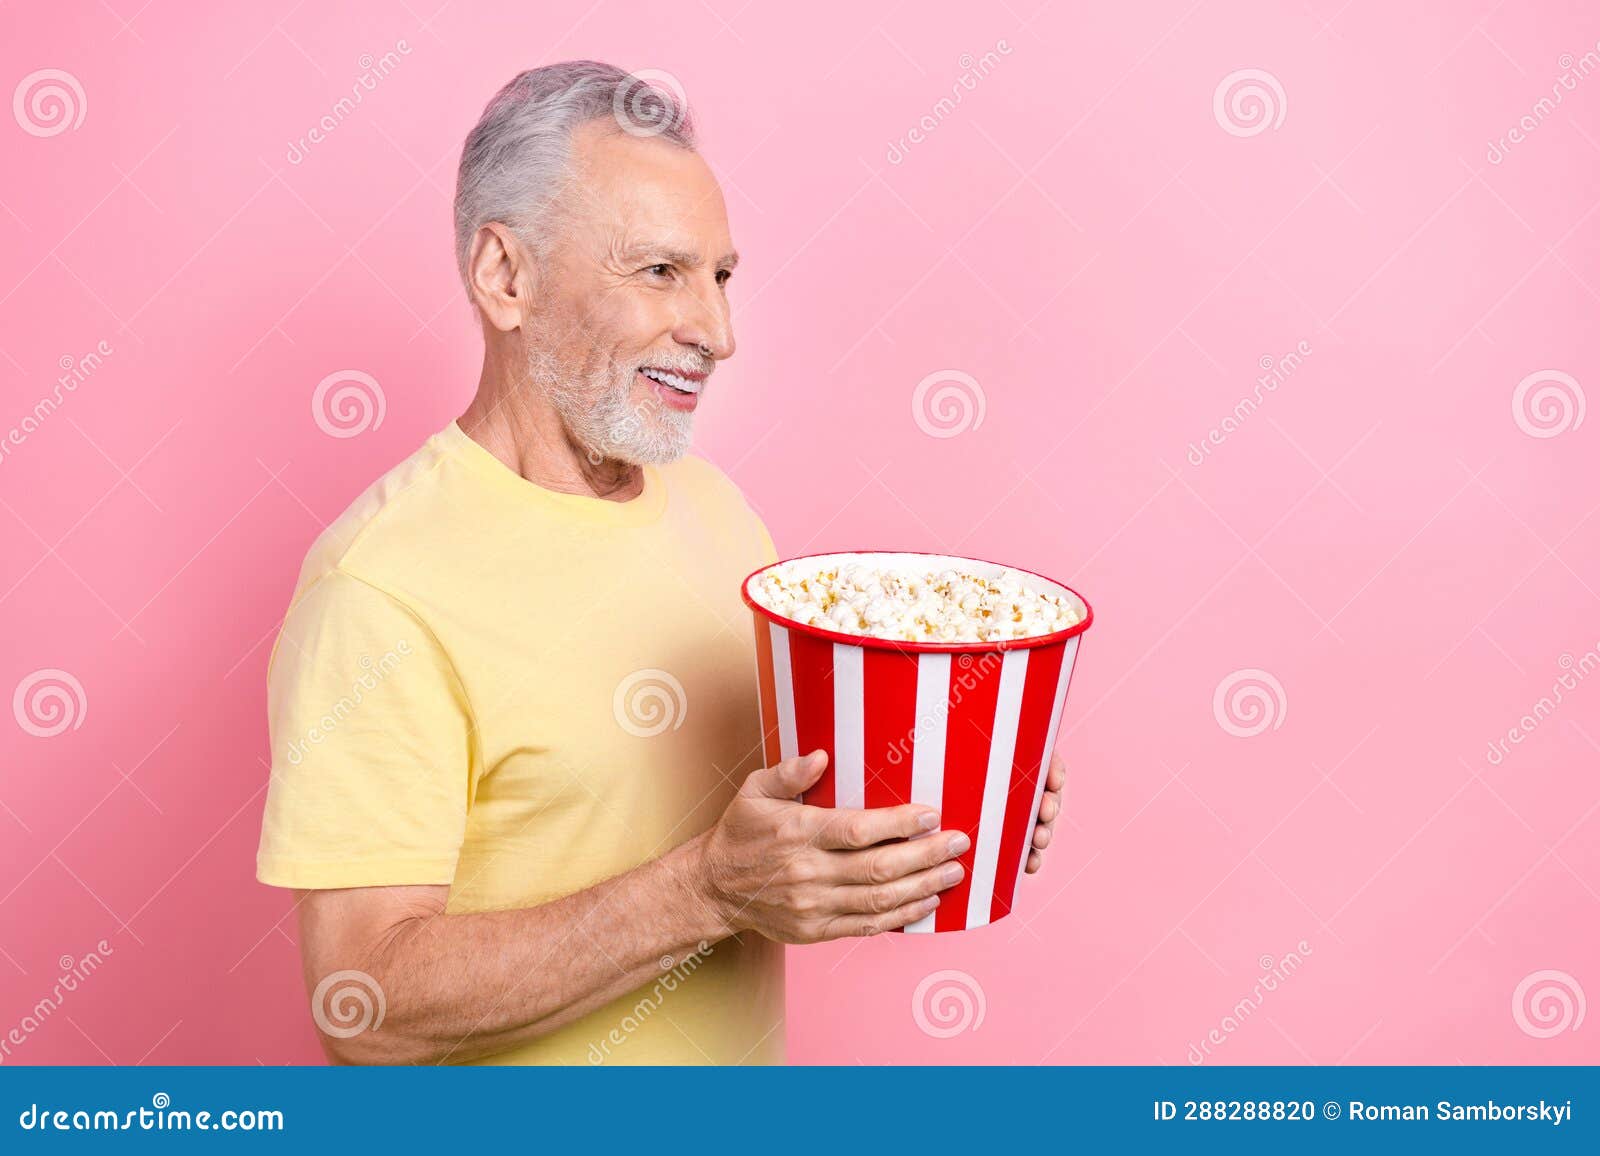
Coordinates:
<point>680,382</point>
<point>679,389</point>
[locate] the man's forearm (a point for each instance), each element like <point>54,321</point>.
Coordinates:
<point>461,986</point>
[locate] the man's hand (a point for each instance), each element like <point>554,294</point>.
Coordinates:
<point>802,874</point>
<point>1049,812</point>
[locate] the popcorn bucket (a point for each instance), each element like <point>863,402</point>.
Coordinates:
<point>965,727</point>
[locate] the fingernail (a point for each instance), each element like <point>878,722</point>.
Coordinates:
<point>928,820</point>
<point>933,902</point>
<point>952,873</point>
<point>959,843</point>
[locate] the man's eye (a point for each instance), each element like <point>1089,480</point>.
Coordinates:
<point>723,275</point>
<point>659,270</point>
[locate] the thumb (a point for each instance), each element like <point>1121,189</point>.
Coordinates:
<point>790,777</point>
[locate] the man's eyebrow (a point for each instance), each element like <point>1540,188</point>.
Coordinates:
<point>676,256</point>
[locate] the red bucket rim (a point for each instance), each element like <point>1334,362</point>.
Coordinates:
<point>904,645</point>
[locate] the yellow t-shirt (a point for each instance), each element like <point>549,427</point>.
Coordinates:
<point>520,693</point>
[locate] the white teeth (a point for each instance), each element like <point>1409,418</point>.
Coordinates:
<point>682,384</point>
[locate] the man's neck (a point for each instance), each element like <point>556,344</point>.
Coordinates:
<point>526,434</point>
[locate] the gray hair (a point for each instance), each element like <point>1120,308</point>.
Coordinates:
<point>516,162</point>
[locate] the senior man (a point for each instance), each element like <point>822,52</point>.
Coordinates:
<point>515,778</point>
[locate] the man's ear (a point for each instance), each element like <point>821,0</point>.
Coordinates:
<point>501,276</point>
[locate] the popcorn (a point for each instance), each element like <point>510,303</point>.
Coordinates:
<point>911,605</point>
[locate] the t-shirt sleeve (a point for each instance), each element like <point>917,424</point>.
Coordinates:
<point>769,551</point>
<point>371,745</point>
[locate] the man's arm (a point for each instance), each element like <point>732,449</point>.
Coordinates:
<point>456,987</point>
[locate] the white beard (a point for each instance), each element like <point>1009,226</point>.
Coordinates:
<point>612,426</point>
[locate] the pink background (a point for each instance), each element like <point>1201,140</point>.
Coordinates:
<point>1084,237</point>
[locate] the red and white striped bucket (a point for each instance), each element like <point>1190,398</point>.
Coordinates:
<point>964,727</point>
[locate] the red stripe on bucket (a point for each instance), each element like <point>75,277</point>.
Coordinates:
<point>811,660</point>
<point>974,691</point>
<point>768,692</point>
<point>1038,699</point>
<point>890,726</point>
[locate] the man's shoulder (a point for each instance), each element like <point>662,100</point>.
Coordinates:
<point>718,499</point>
<point>704,479</point>
<point>384,518</point>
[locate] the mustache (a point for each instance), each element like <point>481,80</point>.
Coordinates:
<point>697,365</point>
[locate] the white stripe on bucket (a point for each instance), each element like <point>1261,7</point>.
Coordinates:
<point>997,778</point>
<point>1068,655</point>
<point>783,683</point>
<point>849,726</point>
<point>927,747</point>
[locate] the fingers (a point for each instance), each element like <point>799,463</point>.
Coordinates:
<point>1049,808</point>
<point>1035,861</point>
<point>882,898</point>
<point>849,829</point>
<point>1057,776</point>
<point>790,777</point>
<point>1041,838</point>
<point>886,864</point>
<point>857,925</point>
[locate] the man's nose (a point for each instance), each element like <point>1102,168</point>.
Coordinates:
<point>706,325</point>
